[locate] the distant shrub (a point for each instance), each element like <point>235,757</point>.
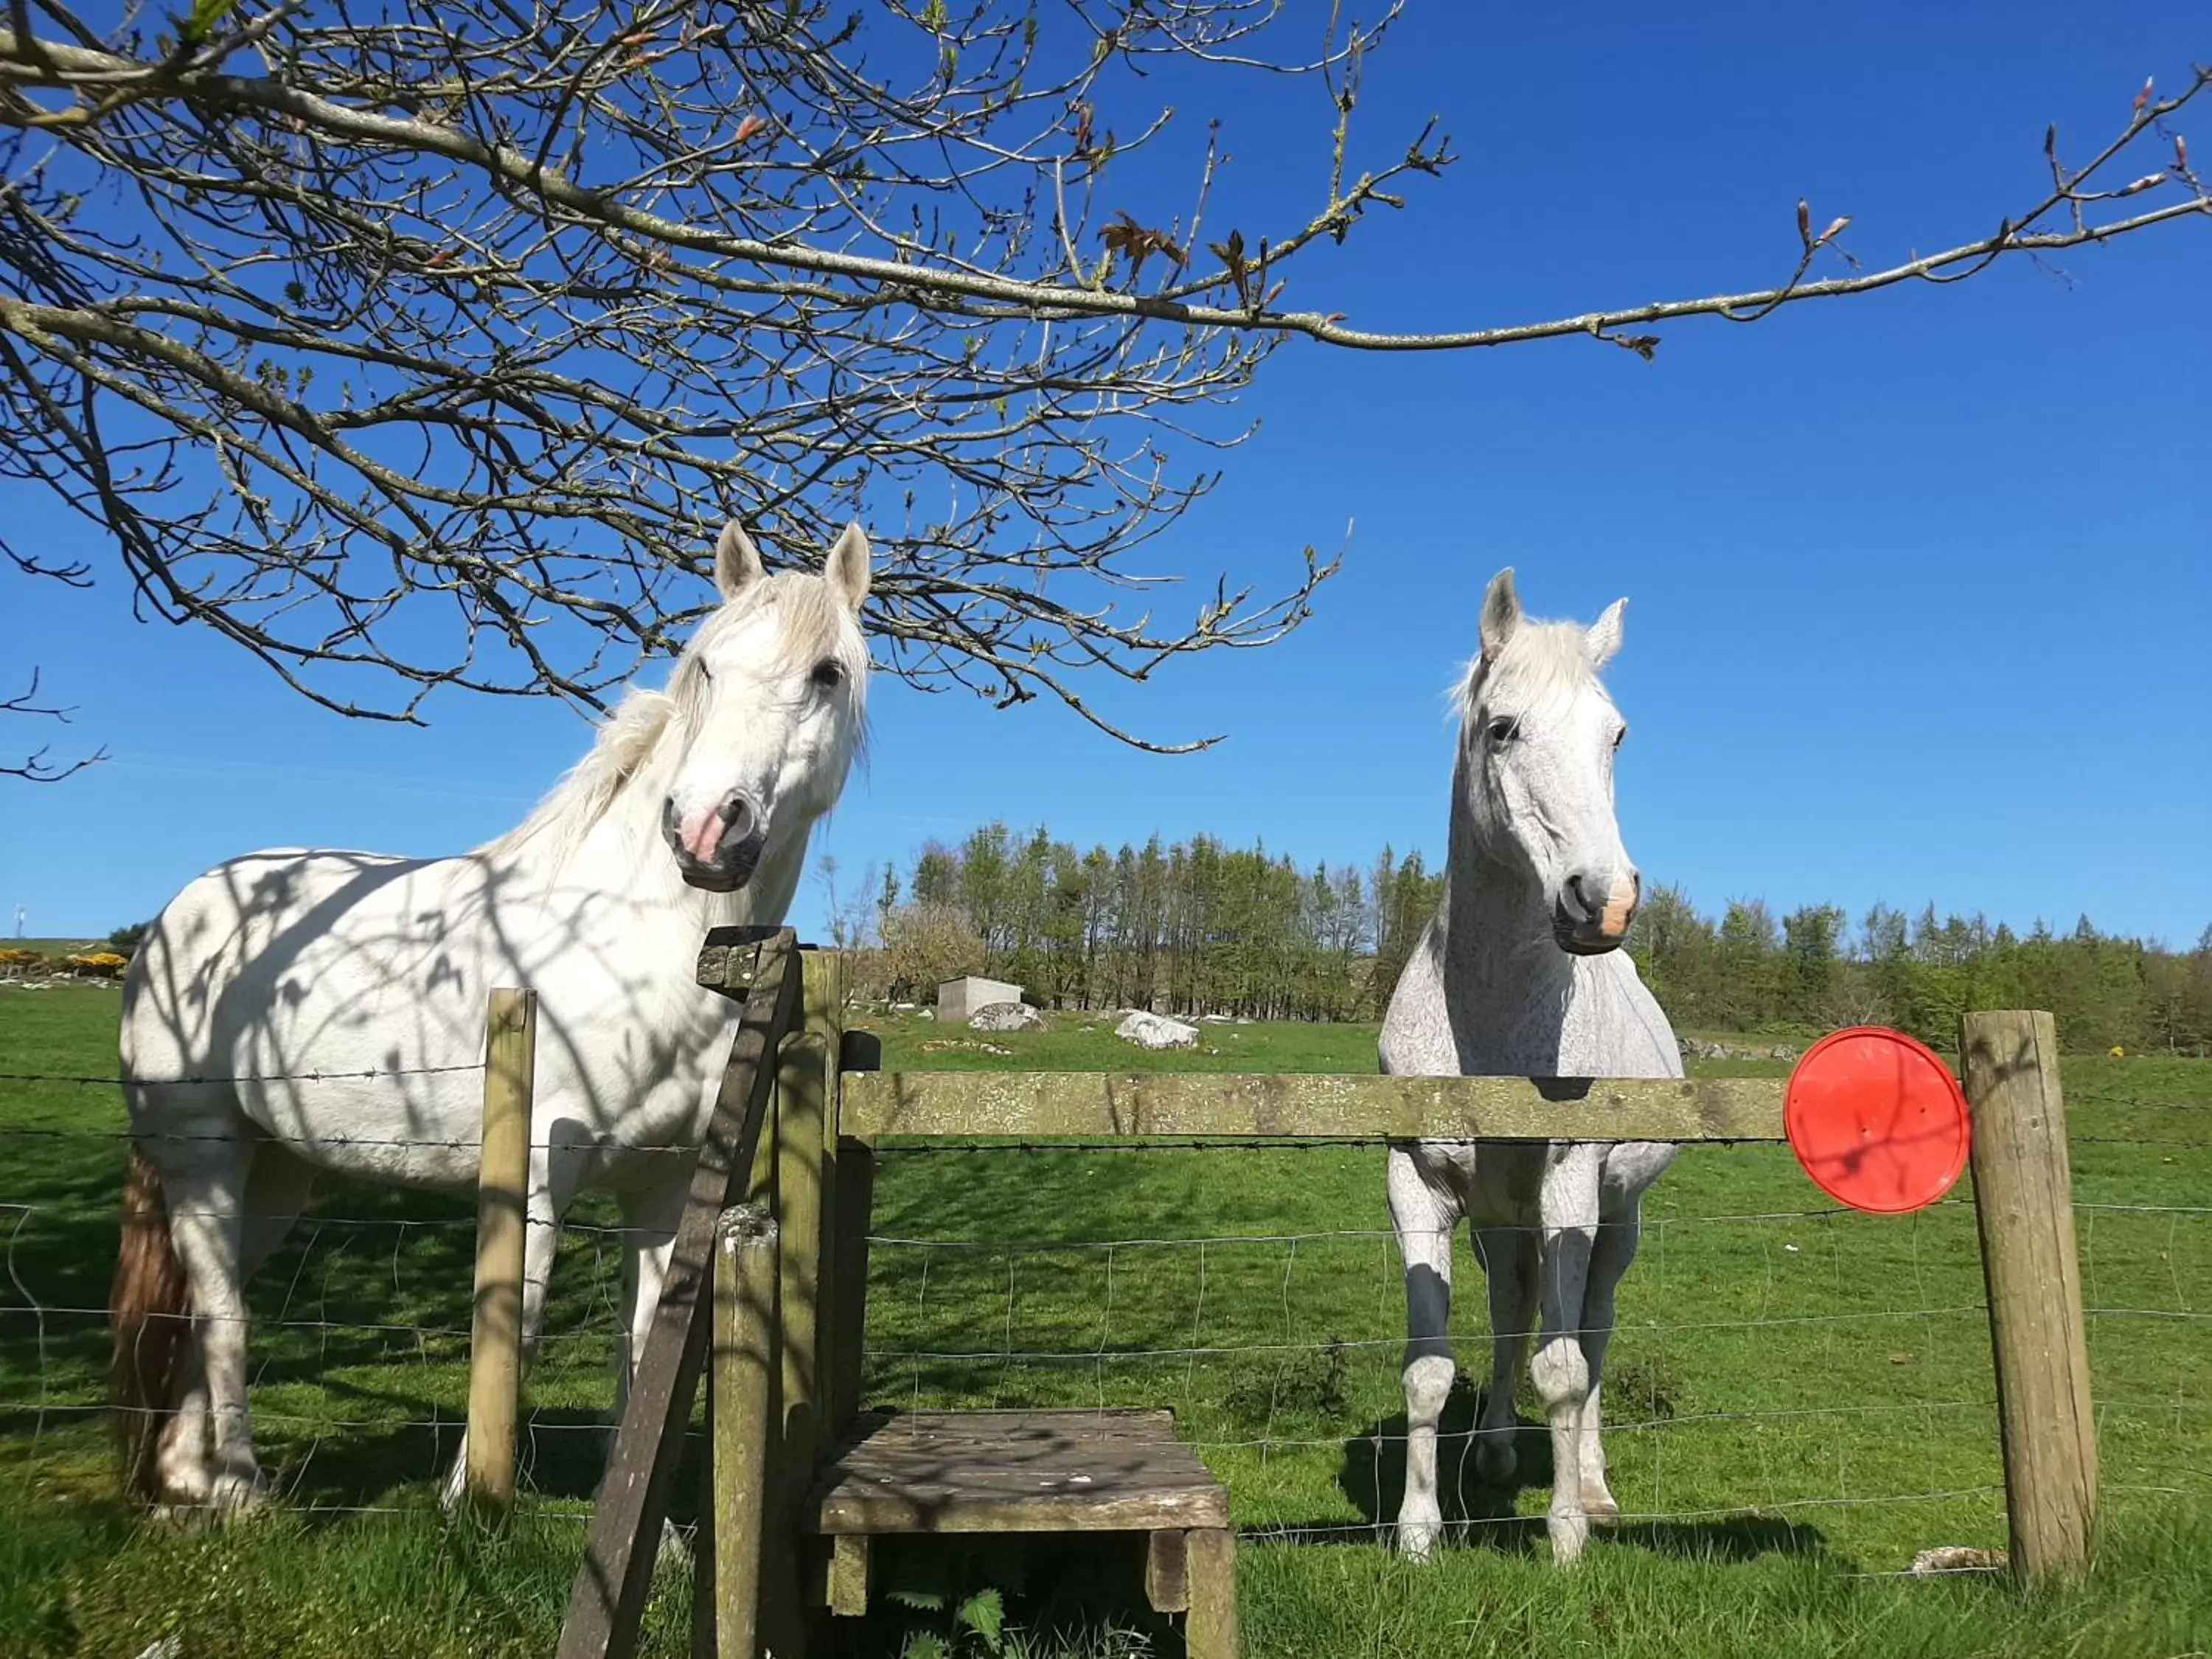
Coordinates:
<point>96,964</point>
<point>128,939</point>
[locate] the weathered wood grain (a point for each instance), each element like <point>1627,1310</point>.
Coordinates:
<point>1068,1471</point>
<point>1090,1104</point>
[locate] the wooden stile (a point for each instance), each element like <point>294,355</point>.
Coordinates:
<point>608,1599</point>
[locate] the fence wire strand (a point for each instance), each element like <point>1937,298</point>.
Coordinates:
<point>1282,1364</point>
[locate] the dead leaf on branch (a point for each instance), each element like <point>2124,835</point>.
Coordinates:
<point>1231,255</point>
<point>1137,243</point>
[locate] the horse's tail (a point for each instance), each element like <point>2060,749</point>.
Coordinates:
<point>147,1311</point>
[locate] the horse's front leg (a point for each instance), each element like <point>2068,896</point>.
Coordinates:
<point>1610,1257</point>
<point>541,1243</point>
<point>1423,1219</point>
<point>1569,1208</point>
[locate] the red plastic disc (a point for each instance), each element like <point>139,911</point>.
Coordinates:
<point>1876,1118</point>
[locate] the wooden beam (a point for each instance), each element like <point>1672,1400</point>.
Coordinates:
<point>852,1575</point>
<point>2024,1206</point>
<point>849,1212</point>
<point>1210,1627</point>
<point>502,1177</point>
<point>1167,1570</point>
<point>738,1429</point>
<point>802,1111</point>
<point>1092,1105</point>
<point>607,1601</point>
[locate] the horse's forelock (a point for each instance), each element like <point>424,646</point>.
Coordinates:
<point>1543,663</point>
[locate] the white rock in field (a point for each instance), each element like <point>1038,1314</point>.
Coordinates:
<point>1156,1031</point>
<point>1006,1017</point>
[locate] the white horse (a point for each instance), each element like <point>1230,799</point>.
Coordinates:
<point>1518,974</point>
<point>692,810</point>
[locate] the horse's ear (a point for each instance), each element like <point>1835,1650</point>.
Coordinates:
<point>1501,614</point>
<point>848,569</point>
<point>737,561</point>
<point>1603,638</point>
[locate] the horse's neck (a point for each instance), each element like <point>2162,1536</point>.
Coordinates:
<point>1508,987</point>
<point>621,857</point>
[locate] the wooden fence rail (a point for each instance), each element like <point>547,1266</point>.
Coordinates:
<point>1090,1105</point>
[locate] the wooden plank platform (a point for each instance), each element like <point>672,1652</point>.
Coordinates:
<point>1019,1471</point>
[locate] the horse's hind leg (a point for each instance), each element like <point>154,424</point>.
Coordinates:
<point>1610,1257</point>
<point>205,1182</point>
<point>276,1190</point>
<point>1423,1219</point>
<point>1509,1268</point>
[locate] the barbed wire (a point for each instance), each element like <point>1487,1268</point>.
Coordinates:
<point>84,1079</point>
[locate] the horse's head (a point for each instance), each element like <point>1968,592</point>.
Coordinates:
<point>1536,750</point>
<point>771,694</point>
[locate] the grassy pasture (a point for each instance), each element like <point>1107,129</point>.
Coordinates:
<point>1800,1398</point>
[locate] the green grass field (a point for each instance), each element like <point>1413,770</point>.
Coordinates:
<point>1800,1398</point>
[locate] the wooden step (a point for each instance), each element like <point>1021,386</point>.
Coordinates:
<point>1018,1471</point>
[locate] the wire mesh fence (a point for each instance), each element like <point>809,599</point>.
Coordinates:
<point>1781,1375</point>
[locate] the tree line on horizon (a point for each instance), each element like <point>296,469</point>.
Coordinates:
<point>1197,927</point>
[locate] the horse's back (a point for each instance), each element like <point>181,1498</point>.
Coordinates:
<point>181,982</point>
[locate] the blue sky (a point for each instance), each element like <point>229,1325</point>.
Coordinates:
<point>1918,582</point>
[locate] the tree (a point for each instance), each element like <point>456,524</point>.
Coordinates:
<point>435,335</point>
<point>1811,938</point>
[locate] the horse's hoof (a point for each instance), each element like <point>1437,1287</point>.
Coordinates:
<point>1417,1538</point>
<point>1495,1459</point>
<point>239,1497</point>
<point>675,1545</point>
<point>1601,1509</point>
<point>1569,1533</point>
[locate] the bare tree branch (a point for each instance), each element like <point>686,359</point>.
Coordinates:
<point>37,768</point>
<point>411,343</point>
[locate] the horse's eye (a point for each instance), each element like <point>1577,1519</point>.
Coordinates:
<point>1503,730</point>
<point>828,675</point>
<point>706,673</point>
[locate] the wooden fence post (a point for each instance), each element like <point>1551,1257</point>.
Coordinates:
<point>2024,1204</point>
<point>502,1177</point>
<point>743,1357</point>
<point>803,1109</point>
<point>853,1185</point>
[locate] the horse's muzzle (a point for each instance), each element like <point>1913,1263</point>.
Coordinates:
<point>1589,918</point>
<point>720,854</point>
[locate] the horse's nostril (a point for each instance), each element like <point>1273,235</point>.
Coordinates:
<point>739,813</point>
